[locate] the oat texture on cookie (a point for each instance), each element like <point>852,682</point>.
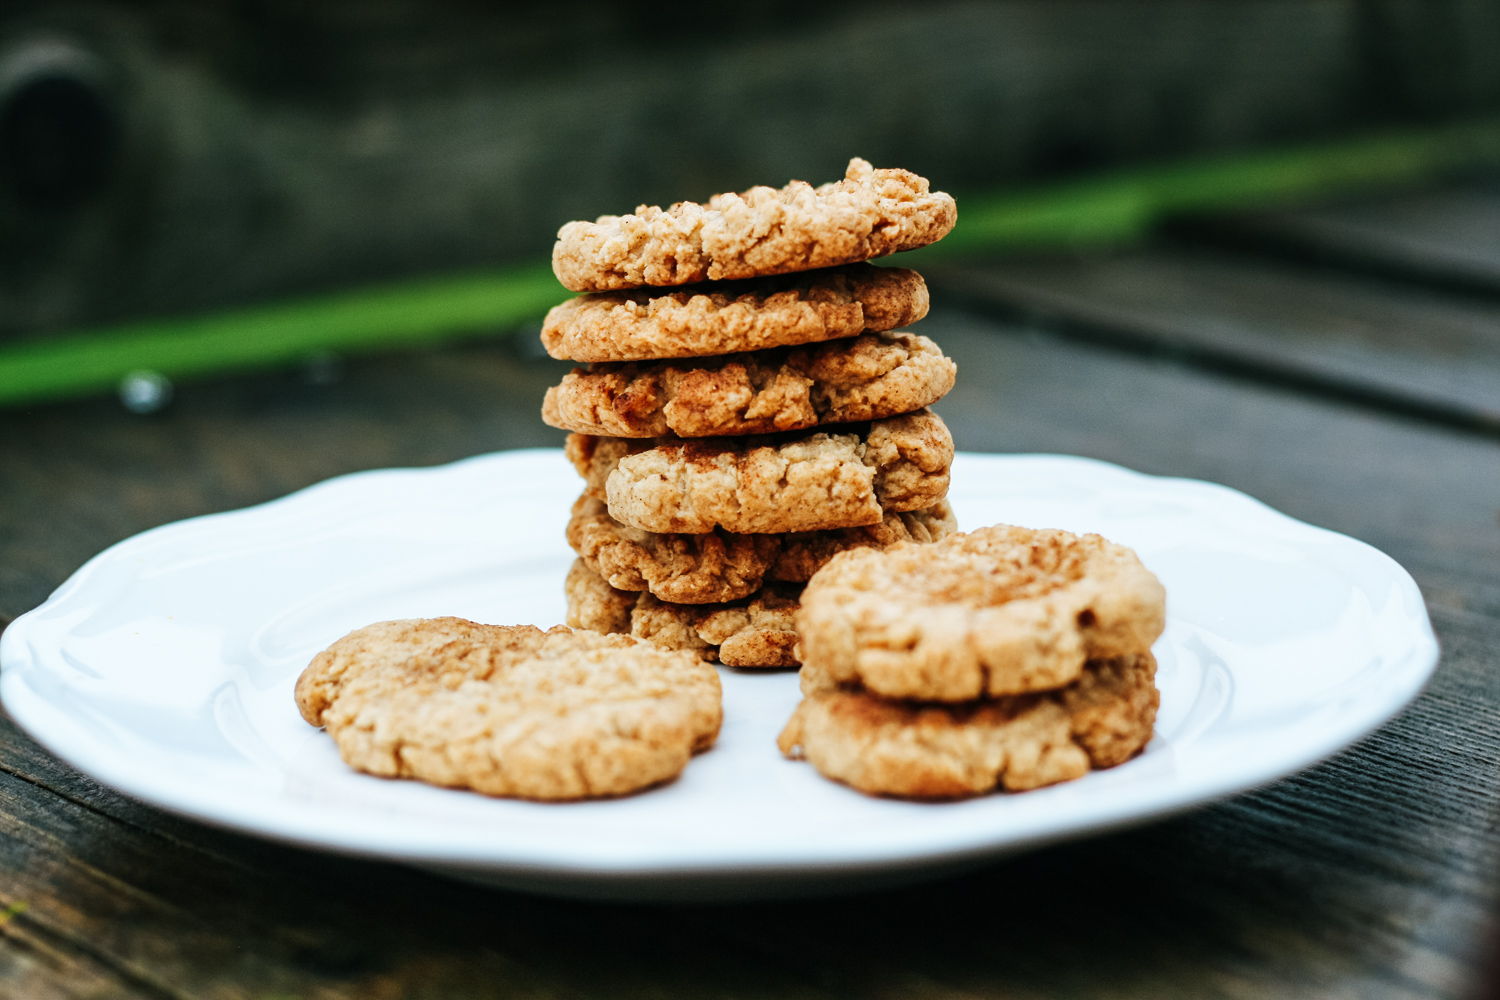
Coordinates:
<point>719,565</point>
<point>754,631</point>
<point>511,710</point>
<point>1006,658</point>
<point>751,406</point>
<point>855,379</point>
<point>853,475</point>
<point>726,316</point>
<point>931,750</point>
<point>762,231</point>
<point>998,611</point>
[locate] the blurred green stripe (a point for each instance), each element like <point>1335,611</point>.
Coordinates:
<point>1124,206</point>
<point>1102,211</point>
<point>401,315</point>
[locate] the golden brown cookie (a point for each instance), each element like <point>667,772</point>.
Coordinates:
<point>869,377</point>
<point>917,750</point>
<point>720,566</point>
<point>802,482</point>
<point>511,710</point>
<point>751,632</point>
<point>1001,610</point>
<point>803,553</point>
<point>724,317</point>
<point>713,567</point>
<point>868,214</point>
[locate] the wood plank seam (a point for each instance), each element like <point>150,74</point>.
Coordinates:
<point>176,842</point>
<point>18,829</point>
<point>53,942</point>
<point>18,935</point>
<point>1141,342</point>
<point>127,972</point>
<point>1344,260</point>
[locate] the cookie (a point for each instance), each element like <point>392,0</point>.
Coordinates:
<point>863,378</point>
<point>720,566</point>
<point>751,632</point>
<point>722,318</point>
<point>511,710</point>
<point>998,611</point>
<point>803,482</point>
<point>803,553</point>
<point>1019,742</point>
<point>868,214</point>
<point>713,567</point>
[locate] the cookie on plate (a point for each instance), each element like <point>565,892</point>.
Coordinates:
<point>720,566</point>
<point>752,632</point>
<point>725,317</point>
<point>911,749</point>
<point>802,482</point>
<point>712,567</point>
<point>803,553</point>
<point>998,611</point>
<point>869,377</point>
<point>868,214</point>
<point>511,710</point>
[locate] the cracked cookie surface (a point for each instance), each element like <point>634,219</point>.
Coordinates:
<point>762,231</point>
<point>802,482</point>
<point>752,632</point>
<point>997,611</point>
<point>722,318</point>
<point>722,566</point>
<point>511,710</point>
<point>869,377</point>
<point>924,750</point>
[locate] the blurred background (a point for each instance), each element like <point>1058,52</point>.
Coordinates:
<point>168,158</point>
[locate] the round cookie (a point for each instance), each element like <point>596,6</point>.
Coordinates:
<point>511,710</point>
<point>753,315</point>
<point>805,482</point>
<point>910,749</point>
<point>870,377</point>
<point>751,632</point>
<point>713,567</point>
<point>1002,610</point>
<point>803,553</point>
<point>868,214</point>
<point>723,566</point>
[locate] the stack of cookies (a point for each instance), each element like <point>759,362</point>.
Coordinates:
<point>1006,657</point>
<point>750,406</point>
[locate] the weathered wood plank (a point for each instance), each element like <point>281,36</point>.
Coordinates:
<point>1448,239</point>
<point>1402,348</point>
<point>1369,875</point>
<point>170,920</point>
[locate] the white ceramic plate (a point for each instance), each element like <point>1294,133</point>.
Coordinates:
<point>165,666</point>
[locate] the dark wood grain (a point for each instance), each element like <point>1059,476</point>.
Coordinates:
<point>1449,239</point>
<point>1403,347</point>
<point>1369,875</point>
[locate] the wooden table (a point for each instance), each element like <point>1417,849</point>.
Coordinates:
<point>1343,366</point>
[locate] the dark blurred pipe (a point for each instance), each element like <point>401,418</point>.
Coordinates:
<point>59,133</point>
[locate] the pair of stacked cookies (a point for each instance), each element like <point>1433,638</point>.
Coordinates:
<point>1006,657</point>
<point>751,407</point>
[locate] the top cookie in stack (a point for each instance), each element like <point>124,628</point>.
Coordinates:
<point>750,408</point>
